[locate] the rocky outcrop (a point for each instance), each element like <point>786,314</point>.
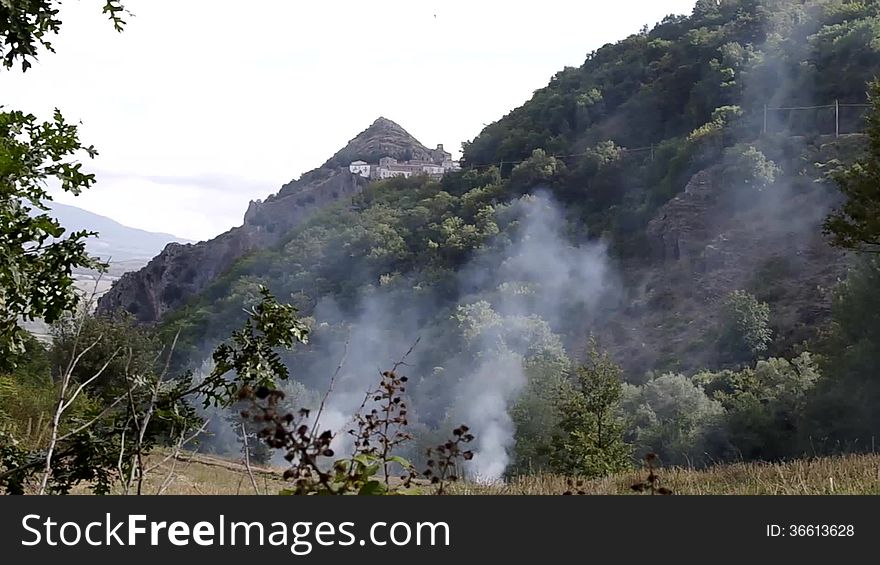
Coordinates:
<point>681,227</point>
<point>383,138</point>
<point>176,274</point>
<point>180,272</point>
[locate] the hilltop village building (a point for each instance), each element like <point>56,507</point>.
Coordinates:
<point>388,167</point>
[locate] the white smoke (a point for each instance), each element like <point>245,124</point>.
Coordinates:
<point>487,395</point>
<point>542,277</point>
<point>515,294</point>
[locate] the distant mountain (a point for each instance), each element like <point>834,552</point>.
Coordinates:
<point>124,248</point>
<point>116,242</point>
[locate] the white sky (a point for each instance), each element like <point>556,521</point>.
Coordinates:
<point>203,105</point>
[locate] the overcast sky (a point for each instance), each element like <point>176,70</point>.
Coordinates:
<point>202,105</point>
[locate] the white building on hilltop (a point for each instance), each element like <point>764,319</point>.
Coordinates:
<point>361,168</point>
<point>388,167</point>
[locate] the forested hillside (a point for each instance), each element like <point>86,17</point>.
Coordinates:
<point>640,198</point>
<point>631,262</point>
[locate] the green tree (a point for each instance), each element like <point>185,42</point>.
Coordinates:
<point>856,225</point>
<point>36,261</point>
<point>536,415</point>
<point>540,170</point>
<point>765,405</point>
<point>141,350</point>
<point>845,409</point>
<point>673,417</point>
<point>589,441</point>
<point>745,326</point>
<point>746,166</point>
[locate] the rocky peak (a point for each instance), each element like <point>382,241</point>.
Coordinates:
<point>384,138</point>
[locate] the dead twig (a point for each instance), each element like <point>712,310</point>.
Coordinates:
<point>247,459</point>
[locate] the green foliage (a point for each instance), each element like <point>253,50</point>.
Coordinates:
<point>713,130</point>
<point>103,432</point>
<point>765,405</point>
<point>36,261</point>
<point>746,167</point>
<point>745,326</point>
<point>530,336</point>
<point>407,236</point>
<point>845,407</point>
<point>760,412</point>
<point>26,407</point>
<point>668,82</point>
<point>673,417</point>
<point>857,224</point>
<point>677,97</point>
<point>252,352</point>
<point>26,25</point>
<point>589,438</point>
<point>32,365</point>
<point>536,415</point>
<point>770,380</point>
<point>12,456</point>
<point>538,171</point>
<point>131,348</point>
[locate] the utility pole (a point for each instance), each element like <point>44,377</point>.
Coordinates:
<point>836,117</point>
<point>764,130</point>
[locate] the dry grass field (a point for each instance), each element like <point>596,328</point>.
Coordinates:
<point>851,474</point>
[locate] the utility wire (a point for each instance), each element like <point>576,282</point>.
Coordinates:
<point>654,146</point>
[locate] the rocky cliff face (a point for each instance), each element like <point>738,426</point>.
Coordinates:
<point>177,273</point>
<point>269,221</point>
<point>679,231</point>
<point>709,241</point>
<point>182,271</point>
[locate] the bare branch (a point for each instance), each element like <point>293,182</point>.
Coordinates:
<point>247,459</point>
<point>91,422</point>
<point>90,380</point>
<point>330,386</point>
<point>182,441</point>
<point>65,403</point>
<point>174,457</point>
